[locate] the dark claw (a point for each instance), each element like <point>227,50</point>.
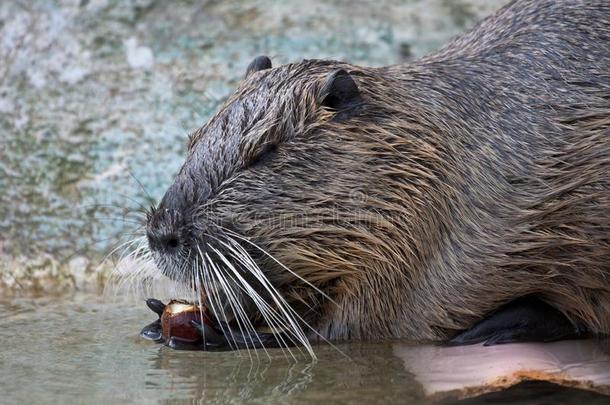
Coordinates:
<point>152,331</point>
<point>156,306</point>
<point>179,344</point>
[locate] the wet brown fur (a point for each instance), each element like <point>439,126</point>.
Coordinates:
<point>474,176</point>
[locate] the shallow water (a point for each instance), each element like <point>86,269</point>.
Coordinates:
<point>84,348</point>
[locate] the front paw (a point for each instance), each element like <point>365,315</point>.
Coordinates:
<point>153,331</point>
<point>182,326</point>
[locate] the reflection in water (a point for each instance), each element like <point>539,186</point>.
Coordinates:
<point>229,376</point>
<point>371,373</point>
<point>83,348</point>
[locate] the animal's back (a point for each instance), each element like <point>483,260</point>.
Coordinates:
<point>526,99</point>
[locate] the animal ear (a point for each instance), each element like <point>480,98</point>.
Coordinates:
<point>339,91</point>
<point>259,63</point>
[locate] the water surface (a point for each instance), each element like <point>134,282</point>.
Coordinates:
<point>85,348</point>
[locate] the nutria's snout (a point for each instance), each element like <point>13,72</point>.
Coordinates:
<point>167,235</point>
<point>174,230</point>
<point>163,231</point>
<point>174,233</point>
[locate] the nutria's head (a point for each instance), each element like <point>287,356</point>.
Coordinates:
<point>284,199</point>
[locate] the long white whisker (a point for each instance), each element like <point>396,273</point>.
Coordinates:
<point>212,294</point>
<point>281,305</point>
<point>266,311</point>
<point>247,256</point>
<point>256,246</point>
<point>273,319</point>
<point>230,298</point>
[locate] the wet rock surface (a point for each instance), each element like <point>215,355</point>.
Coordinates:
<point>97,98</point>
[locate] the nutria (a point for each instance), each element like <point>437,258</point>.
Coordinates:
<point>465,195</point>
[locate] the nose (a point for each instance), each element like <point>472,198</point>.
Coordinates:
<point>163,242</point>
<point>163,232</point>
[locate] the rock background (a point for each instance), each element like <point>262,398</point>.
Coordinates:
<point>97,98</point>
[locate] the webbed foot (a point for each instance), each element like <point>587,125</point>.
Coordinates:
<point>526,319</point>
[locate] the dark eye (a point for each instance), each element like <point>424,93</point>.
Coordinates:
<point>266,154</point>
